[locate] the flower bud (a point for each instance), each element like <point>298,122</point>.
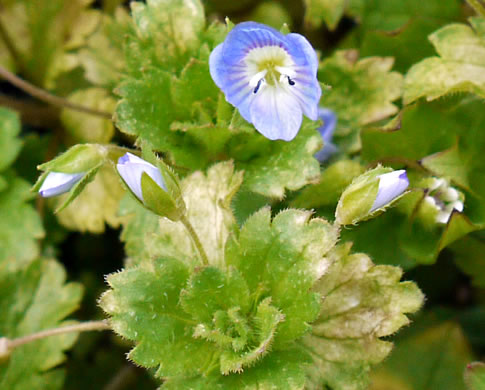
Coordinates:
<point>370,193</point>
<point>440,201</point>
<point>56,183</point>
<point>155,187</point>
<point>131,168</point>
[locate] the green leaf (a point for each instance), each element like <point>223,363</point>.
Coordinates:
<point>460,66</point>
<point>397,28</point>
<point>475,376</point>
<point>10,145</point>
<point>143,304</point>
<point>227,324</point>
<point>333,180</point>
<point>328,11</point>
<point>87,127</point>
<point>97,204</point>
<point>102,56</point>
<point>32,299</point>
<point>362,303</point>
<point>374,87</point>
<point>208,199</point>
<point>443,352</point>
<point>279,370</point>
<point>283,258</point>
<point>20,225</point>
<point>468,257</point>
<point>281,165</point>
<point>166,33</point>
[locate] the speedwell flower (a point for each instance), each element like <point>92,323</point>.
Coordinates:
<point>271,78</point>
<point>57,183</point>
<point>131,168</point>
<point>326,131</point>
<point>443,199</point>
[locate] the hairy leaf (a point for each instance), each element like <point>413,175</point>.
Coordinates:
<point>362,302</point>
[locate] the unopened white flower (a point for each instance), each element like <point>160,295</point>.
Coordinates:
<point>444,199</point>
<point>57,183</point>
<point>391,186</point>
<point>131,168</point>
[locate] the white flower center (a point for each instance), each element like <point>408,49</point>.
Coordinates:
<point>269,65</point>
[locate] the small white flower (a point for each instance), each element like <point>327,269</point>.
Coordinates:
<point>391,186</point>
<point>131,168</point>
<point>444,199</point>
<point>57,183</point>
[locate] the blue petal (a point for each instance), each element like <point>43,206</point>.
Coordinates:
<point>246,36</point>
<point>302,52</point>
<point>276,114</point>
<point>57,183</point>
<point>308,92</point>
<point>391,185</point>
<point>329,123</point>
<point>232,79</point>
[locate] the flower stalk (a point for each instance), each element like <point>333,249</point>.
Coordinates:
<point>195,239</point>
<point>7,345</point>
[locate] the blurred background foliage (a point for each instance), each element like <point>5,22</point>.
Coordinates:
<point>74,49</point>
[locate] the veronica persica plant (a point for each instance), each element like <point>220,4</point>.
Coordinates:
<point>57,183</point>
<point>329,119</point>
<point>271,78</point>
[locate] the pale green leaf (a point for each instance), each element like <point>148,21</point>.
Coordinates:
<point>87,127</point>
<point>32,299</point>
<point>362,302</point>
<point>460,66</point>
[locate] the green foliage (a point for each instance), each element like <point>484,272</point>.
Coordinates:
<point>374,87</point>
<point>443,352</point>
<point>362,303</point>
<point>33,298</point>
<point>327,11</point>
<point>459,67</point>
<point>20,225</point>
<point>10,145</point>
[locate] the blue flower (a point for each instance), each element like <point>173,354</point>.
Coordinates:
<point>270,77</point>
<point>131,168</point>
<point>326,131</point>
<point>391,186</point>
<point>57,183</point>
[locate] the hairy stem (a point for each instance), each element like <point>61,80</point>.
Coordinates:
<point>195,239</point>
<point>477,6</point>
<point>47,97</point>
<point>82,327</point>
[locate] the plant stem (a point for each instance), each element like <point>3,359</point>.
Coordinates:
<point>82,327</point>
<point>195,239</point>
<point>47,97</point>
<point>479,9</point>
